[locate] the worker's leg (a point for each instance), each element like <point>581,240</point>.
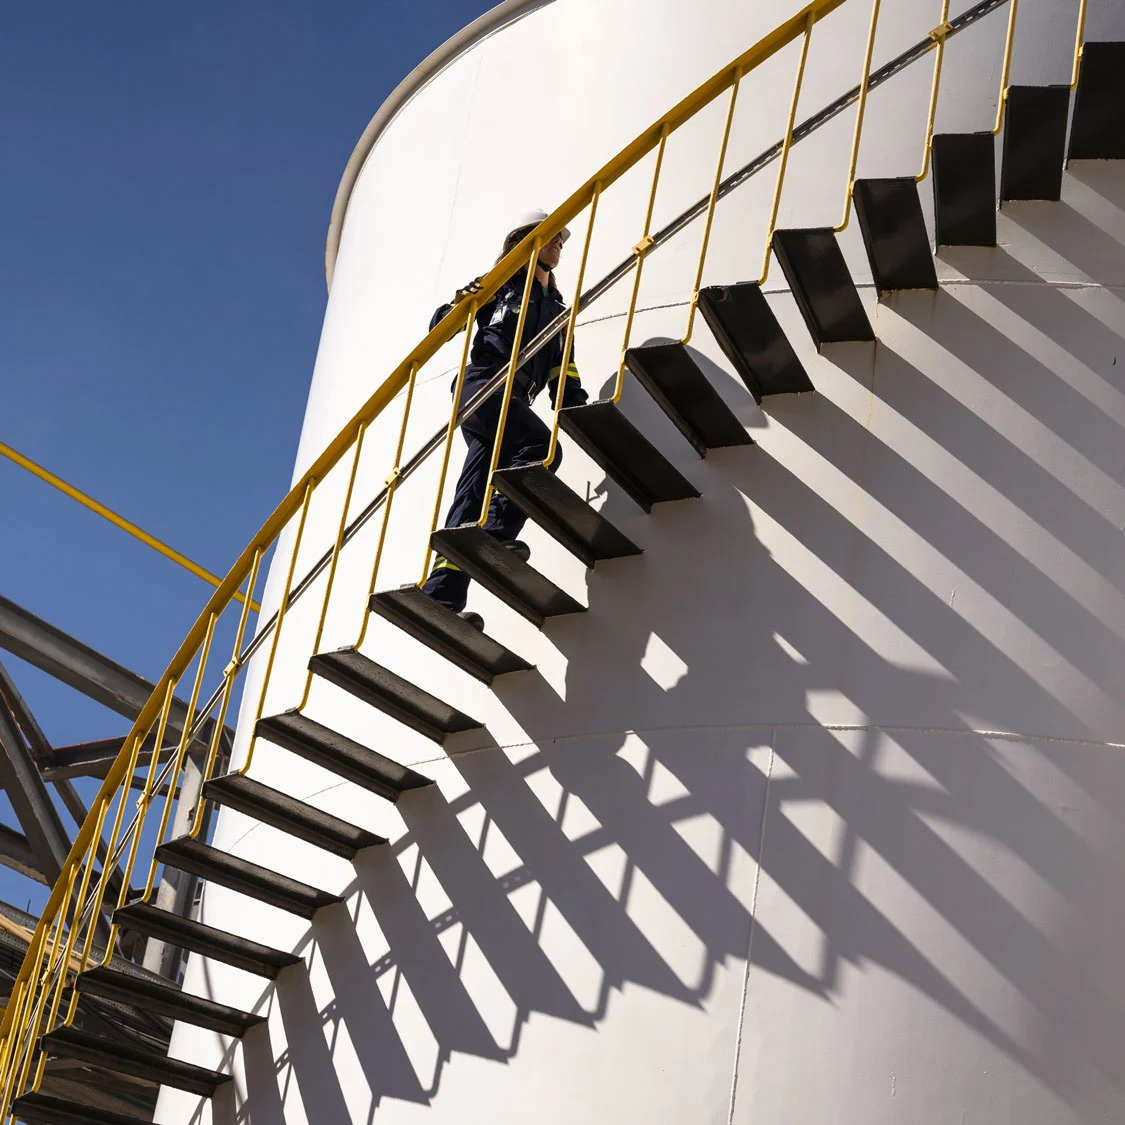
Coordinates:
<point>448,583</point>
<point>526,441</point>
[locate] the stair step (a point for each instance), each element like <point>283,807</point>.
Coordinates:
<point>291,816</point>
<point>71,1043</point>
<point>438,627</point>
<point>349,759</point>
<point>164,999</point>
<point>186,933</point>
<point>1034,142</point>
<point>741,320</point>
<point>42,1109</point>
<point>610,439</point>
<point>563,514</point>
<point>685,394</point>
<point>964,189</point>
<point>822,284</point>
<point>894,233</point>
<point>247,878</point>
<point>390,693</point>
<point>484,558</point>
<point>1097,130</point>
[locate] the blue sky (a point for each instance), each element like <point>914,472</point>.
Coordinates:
<point>169,172</point>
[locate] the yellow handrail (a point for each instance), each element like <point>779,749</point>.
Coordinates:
<point>98,508</point>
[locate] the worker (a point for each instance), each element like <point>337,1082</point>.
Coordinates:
<point>526,438</point>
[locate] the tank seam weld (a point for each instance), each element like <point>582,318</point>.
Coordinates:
<point>843,728</point>
<point>741,1026</point>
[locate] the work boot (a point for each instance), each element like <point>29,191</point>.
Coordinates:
<point>473,619</point>
<point>519,548</point>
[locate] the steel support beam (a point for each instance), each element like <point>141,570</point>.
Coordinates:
<point>81,667</point>
<point>32,804</point>
<point>17,853</point>
<point>13,702</point>
<point>92,759</point>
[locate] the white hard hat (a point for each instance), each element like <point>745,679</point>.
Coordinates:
<point>532,219</point>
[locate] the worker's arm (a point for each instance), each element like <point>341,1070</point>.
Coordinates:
<point>442,311</point>
<point>574,394</point>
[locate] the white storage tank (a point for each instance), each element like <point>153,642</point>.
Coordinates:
<point>815,814</point>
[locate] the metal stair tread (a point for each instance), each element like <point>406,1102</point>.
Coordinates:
<point>289,815</point>
<point>442,630</point>
<point>43,1109</point>
<point>894,233</point>
<point>563,514</point>
<point>822,284</point>
<point>342,755</point>
<point>679,387</point>
<point>240,952</point>
<point>262,883</point>
<point>165,999</point>
<point>1097,129</point>
<point>483,557</point>
<point>1034,145</point>
<point>390,693</point>
<point>603,432</point>
<point>93,1050</point>
<point>964,175</point>
<point>748,331</point>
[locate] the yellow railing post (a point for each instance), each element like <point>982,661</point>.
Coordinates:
<point>143,803</point>
<point>229,673</point>
<point>181,753</point>
<point>391,484</point>
<point>510,381</point>
<point>450,430</point>
<point>938,36</point>
<point>865,81</point>
<point>786,145</point>
<point>282,606</point>
<point>639,252</point>
<point>711,204</point>
<point>1006,66</point>
<point>336,548</point>
<point>1079,35</point>
<point>571,325</point>
<point>72,933</point>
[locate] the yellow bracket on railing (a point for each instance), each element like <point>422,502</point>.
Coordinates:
<point>109,514</point>
<point>1006,68</point>
<point>1079,34</point>
<point>864,84</point>
<point>938,35</point>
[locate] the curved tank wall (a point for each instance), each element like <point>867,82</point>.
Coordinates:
<point>815,814</point>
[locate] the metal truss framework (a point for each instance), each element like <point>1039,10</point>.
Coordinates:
<point>38,848</point>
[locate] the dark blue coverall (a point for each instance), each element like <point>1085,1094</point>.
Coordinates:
<point>526,436</point>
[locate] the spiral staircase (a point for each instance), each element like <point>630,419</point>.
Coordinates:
<point>1042,128</point>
